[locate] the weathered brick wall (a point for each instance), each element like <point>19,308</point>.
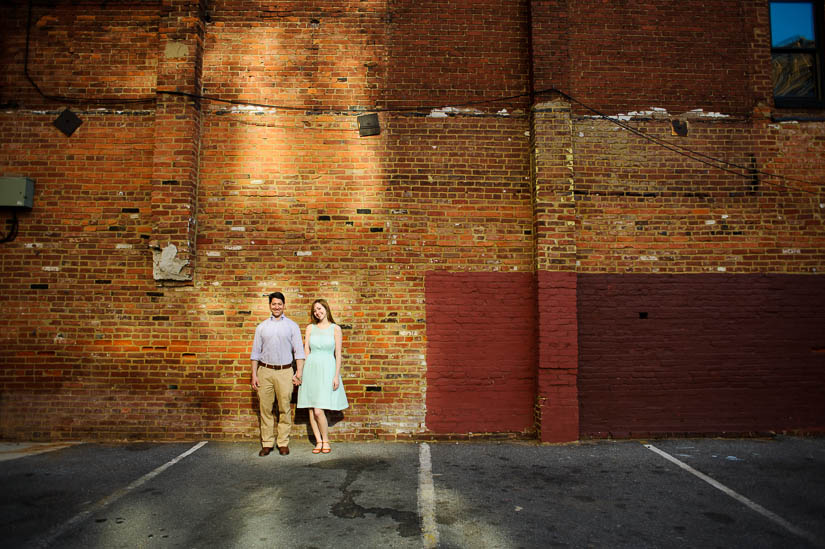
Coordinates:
<point>80,49</point>
<point>645,209</point>
<point>284,199</point>
<point>626,56</point>
<point>641,208</point>
<point>78,348</point>
<point>359,222</point>
<point>98,342</point>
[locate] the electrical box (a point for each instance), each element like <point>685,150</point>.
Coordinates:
<point>16,192</point>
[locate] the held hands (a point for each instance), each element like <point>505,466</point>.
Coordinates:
<point>296,380</point>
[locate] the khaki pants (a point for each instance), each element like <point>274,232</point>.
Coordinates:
<point>274,384</point>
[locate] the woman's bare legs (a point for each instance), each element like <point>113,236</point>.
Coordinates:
<point>320,419</point>
<point>315,431</point>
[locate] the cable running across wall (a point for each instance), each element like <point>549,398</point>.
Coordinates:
<point>714,162</point>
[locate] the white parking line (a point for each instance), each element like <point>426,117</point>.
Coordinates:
<point>49,538</point>
<point>739,497</point>
<point>426,497</point>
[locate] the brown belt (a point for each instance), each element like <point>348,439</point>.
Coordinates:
<point>273,367</point>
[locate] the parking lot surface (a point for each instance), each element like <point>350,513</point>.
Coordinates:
<point>657,493</point>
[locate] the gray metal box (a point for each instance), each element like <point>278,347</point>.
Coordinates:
<point>16,192</point>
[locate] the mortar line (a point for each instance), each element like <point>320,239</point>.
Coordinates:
<point>739,497</point>
<point>49,538</point>
<point>426,498</point>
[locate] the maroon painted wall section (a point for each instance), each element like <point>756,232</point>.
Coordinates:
<point>481,374</point>
<point>701,354</point>
<point>557,399</point>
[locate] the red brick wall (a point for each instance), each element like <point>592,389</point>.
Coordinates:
<point>620,57</point>
<point>481,375</point>
<point>80,49</point>
<point>288,197</point>
<point>645,209</point>
<point>714,353</point>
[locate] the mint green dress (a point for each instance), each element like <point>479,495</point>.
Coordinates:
<point>315,390</point>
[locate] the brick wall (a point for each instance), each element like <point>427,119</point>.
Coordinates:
<point>103,338</point>
<point>624,57</point>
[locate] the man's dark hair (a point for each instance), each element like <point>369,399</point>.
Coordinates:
<point>278,295</point>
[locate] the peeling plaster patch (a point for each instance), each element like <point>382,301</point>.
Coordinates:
<point>175,50</point>
<point>216,283</point>
<point>166,266</point>
<point>213,254</point>
<point>33,245</point>
<point>256,181</point>
<point>444,112</point>
<point>710,222</point>
<point>247,108</point>
<point>648,258</point>
<point>51,269</point>
<point>124,246</point>
<point>701,113</point>
<point>233,248</point>
<point>789,251</point>
<point>302,254</point>
<point>239,229</point>
<point>503,112</point>
<point>721,269</point>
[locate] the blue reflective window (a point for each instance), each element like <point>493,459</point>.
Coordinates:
<point>792,24</point>
<point>796,53</point>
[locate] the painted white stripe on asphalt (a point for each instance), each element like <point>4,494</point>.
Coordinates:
<point>739,497</point>
<point>426,497</point>
<point>111,498</point>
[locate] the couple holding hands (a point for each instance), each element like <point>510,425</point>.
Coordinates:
<point>276,345</point>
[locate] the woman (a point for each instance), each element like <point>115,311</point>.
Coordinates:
<point>319,380</point>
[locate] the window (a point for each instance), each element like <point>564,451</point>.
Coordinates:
<point>797,53</point>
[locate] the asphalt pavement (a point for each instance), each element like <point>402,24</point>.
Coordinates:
<point>670,493</point>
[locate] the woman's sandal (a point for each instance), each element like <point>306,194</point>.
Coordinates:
<point>318,447</point>
<point>327,449</point>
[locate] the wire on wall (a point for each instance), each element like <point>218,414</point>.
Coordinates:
<point>714,162</point>
<point>12,234</point>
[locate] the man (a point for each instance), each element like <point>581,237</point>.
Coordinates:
<point>277,343</point>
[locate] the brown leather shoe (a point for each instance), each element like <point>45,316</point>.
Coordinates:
<point>265,451</point>
<point>283,450</point>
